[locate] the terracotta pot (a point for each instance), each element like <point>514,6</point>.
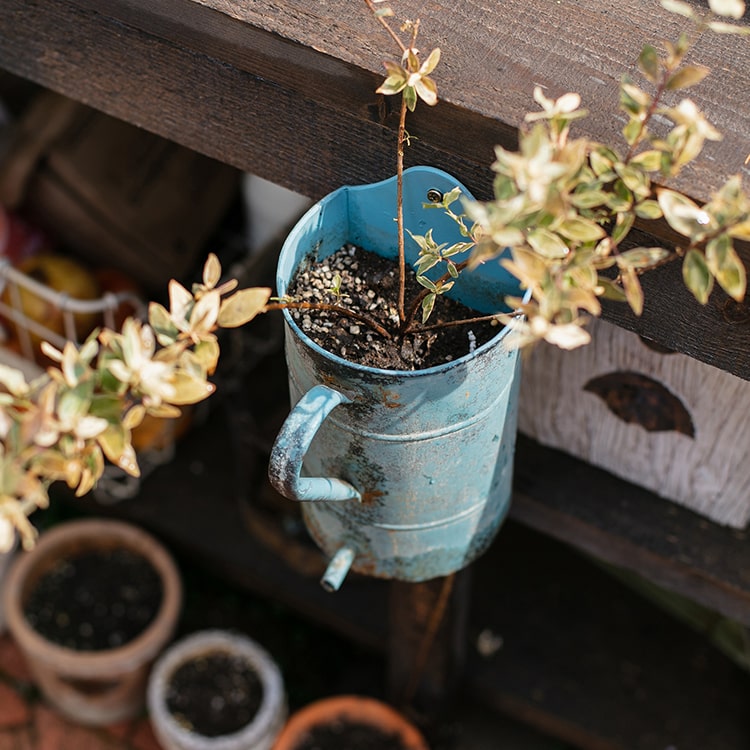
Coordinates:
<point>6,558</point>
<point>92,687</point>
<point>258,734</point>
<point>350,708</point>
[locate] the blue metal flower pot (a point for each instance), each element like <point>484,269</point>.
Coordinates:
<point>402,474</point>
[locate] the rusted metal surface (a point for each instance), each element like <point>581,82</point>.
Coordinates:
<point>429,452</point>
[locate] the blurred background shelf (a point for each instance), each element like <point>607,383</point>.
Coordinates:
<point>579,655</point>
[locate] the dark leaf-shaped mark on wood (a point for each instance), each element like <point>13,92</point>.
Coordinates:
<point>638,399</point>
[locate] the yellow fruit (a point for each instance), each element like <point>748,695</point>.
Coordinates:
<point>65,276</point>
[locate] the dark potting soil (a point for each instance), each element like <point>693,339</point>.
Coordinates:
<point>369,285</point>
<point>350,735</point>
<point>95,600</point>
<point>215,695</point>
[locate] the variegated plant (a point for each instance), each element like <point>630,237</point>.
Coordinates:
<point>63,425</point>
<point>565,206</point>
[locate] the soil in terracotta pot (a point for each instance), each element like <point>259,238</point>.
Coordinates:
<point>95,600</point>
<point>369,285</point>
<point>215,695</point>
<point>349,735</point>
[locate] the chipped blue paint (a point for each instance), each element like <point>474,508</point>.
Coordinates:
<point>403,475</point>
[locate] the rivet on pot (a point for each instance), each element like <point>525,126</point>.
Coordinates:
<point>434,196</point>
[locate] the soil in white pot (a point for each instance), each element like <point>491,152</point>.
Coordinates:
<point>347,735</point>
<point>369,286</point>
<point>215,695</point>
<point>95,600</point>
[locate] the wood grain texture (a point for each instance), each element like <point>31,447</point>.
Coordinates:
<point>581,658</point>
<point>707,472</point>
<point>494,54</point>
<point>630,527</point>
<point>589,661</point>
<point>286,90</point>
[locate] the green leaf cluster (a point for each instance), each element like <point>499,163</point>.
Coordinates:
<point>563,208</point>
<point>80,413</point>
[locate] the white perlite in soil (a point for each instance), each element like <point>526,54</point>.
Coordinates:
<point>367,284</point>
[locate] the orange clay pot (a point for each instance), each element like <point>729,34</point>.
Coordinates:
<point>352,708</point>
<point>92,687</point>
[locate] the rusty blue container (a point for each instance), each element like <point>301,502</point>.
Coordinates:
<point>403,475</point>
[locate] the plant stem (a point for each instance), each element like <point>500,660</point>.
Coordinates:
<point>381,19</point>
<point>328,307</point>
<point>400,212</point>
<point>449,323</point>
<point>417,301</point>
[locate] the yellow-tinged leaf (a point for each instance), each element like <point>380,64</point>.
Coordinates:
<point>584,299</point>
<point>726,266</point>
<point>581,230</point>
<point>133,417</point>
<point>547,244</point>
<point>13,380</point>
<point>697,276</point>
<point>161,322</point>
<point>190,390</point>
<point>648,61</point>
<point>164,411</point>
<point>642,257</point>
<point>610,290</point>
<point>116,445</point>
<point>690,75</point>
<point>180,301</point>
<point>720,27</point>
<point>431,62</point>
<point>86,484</point>
<point>205,311</point>
<point>729,8</point>
<point>243,306</point>
<point>682,214</point>
<point>741,231</point>
<point>648,209</point>
<point>633,290</point>
<point>211,271</point>
<point>679,7</point>
<point>649,160</point>
<point>207,353</point>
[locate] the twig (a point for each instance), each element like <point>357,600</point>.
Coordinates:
<point>368,321</point>
<point>428,639</point>
<point>449,323</point>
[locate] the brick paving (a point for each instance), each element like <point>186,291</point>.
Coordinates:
<point>27,723</point>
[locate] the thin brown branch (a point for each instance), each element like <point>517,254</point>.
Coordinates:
<point>400,212</point>
<point>417,301</point>
<point>428,639</point>
<point>451,323</point>
<point>371,5</point>
<point>328,307</point>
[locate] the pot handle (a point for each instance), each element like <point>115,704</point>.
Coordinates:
<point>292,444</point>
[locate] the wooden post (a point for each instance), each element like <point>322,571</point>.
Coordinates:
<point>427,640</point>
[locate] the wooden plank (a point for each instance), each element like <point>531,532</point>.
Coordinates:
<point>427,641</point>
<point>299,128</point>
<point>272,90</point>
<point>582,658</point>
<point>286,91</point>
<point>631,527</point>
<point>675,425</point>
<point>495,53</point>
<point>588,660</point>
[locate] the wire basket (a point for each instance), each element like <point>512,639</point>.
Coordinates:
<point>115,485</point>
<point>14,282</point>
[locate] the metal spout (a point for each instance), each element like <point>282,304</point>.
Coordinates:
<point>337,569</point>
